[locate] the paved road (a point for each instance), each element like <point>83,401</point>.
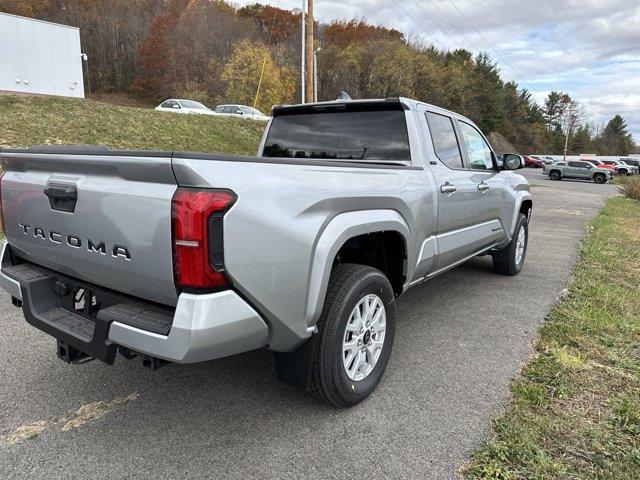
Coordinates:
<point>459,341</point>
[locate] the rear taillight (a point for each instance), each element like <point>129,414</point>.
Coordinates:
<point>197,217</point>
<point>1,211</point>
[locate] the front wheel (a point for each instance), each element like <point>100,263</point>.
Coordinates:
<point>510,260</point>
<point>599,178</point>
<point>555,175</point>
<point>355,335</point>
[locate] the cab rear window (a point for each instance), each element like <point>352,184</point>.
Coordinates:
<point>340,135</point>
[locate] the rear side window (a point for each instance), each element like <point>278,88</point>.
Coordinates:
<point>444,139</point>
<point>340,135</point>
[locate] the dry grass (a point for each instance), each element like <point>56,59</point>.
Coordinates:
<point>94,410</point>
<point>630,187</point>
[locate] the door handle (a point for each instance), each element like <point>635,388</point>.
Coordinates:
<point>483,187</point>
<point>448,189</point>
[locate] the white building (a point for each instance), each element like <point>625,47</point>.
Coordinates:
<point>39,57</point>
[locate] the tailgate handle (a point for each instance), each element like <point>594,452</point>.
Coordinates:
<point>62,197</point>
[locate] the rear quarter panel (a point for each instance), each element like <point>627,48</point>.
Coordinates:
<point>272,231</point>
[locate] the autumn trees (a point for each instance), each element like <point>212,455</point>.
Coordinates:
<point>214,52</point>
<point>245,69</point>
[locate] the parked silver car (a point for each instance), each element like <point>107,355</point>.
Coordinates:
<point>188,257</point>
<point>241,111</point>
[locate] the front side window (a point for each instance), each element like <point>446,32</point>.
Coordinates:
<point>444,140</point>
<point>377,135</point>
<point>480,157</point>
<point>219,109</point>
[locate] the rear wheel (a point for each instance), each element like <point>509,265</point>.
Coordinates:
<point>599,178</point>
<point>510,260</point>
<point>555,175</point>
<point>355,335</point>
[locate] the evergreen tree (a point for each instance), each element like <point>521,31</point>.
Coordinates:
<point>615,139</point>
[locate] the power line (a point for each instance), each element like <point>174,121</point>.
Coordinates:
<point>453,40</point>
<point>419,25</point>
<point>491,46</point>
<point>453,25</point>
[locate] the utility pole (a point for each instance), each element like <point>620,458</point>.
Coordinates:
<point>568,112</point>
<point>309,53</point>
<point>303,49</point>
<point>315,74</point>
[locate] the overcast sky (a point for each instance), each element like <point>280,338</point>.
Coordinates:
<point>588,48</point>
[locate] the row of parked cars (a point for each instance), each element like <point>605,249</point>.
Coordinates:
<point>594,169</point>
<point>599,171</point>
<point>191,107</point>
<point>623,166</point>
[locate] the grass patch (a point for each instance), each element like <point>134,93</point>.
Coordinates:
<point>575,410</point>
<point>27,121</point>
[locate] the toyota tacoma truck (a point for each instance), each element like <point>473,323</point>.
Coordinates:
<point>302,249</point>
<point>579,170</point>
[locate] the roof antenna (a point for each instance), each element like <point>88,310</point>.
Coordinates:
<point>344,96</point>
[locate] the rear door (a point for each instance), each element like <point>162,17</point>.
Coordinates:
<point>104,218</point>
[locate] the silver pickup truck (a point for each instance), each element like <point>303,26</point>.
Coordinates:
<point>578,170</point>
<point>303,249</point>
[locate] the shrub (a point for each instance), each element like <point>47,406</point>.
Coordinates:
<point>191,91</point>
<point>631,188</point>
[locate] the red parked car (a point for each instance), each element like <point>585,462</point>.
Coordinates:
<point>532,162</point>
<point>600,164</point>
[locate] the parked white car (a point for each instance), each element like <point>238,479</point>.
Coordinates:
<point>184,107</point>
<point>241,111</point>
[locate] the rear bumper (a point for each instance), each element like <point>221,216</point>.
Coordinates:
<point>201,328</point>
<point>205,327</point>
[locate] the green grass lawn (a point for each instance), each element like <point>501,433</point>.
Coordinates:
<point>26,121</point>
<point>575,410</point>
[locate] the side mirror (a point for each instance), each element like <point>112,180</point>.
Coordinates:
<point>177,107</point>
<point>511,162</point>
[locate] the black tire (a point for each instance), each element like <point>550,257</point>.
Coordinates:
<point>348,285</point>
<point>600,178</point>
<point>504,261</point>
<point>555,175</point>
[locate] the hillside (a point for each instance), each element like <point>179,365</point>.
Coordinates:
<point>501,144</point>
<point>26,121</point>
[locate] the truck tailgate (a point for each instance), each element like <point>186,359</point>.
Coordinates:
<point>99,216</point>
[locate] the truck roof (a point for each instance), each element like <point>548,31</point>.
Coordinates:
<point>363,104</point>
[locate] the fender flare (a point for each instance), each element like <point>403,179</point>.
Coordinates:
<point>340,229</point>
<point>522,196</point>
